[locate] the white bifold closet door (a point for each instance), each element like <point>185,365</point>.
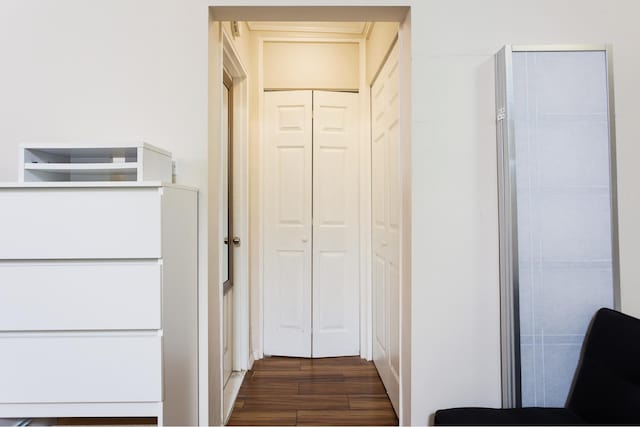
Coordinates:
<point>311,246</point>
<point>385,199</point>
<point>287,223</point>
<point>336,313</point>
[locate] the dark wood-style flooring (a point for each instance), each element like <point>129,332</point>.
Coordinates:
<point>292,391</point>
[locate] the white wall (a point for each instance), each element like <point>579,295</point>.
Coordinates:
<point>75,70</point>
<point>311,65</point>
<point>455,239</point>
<point>406,162</point>
<point>78,69</point>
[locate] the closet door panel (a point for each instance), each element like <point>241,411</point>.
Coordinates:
<point>336,313</point>
<point>380,283</point>
<point>386,191</point>
<point>287,223</point>
<point>311,254</point>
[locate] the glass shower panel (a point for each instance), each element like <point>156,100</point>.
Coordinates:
<point>561,134</point>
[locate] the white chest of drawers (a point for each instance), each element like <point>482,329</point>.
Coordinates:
<point>98,301</point>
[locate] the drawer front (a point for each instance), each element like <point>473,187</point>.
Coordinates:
<point>80,295</point>
<point>80,223</point>
<point>57,368</point>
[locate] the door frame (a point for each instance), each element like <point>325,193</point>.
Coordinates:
<point>223,397</point>
<point>257,318</point>
<point>240,199</point>
<point>210,305</point>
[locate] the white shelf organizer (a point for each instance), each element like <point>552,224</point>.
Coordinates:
<point>135,162</point>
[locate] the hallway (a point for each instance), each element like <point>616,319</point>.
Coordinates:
<point>295,391</point>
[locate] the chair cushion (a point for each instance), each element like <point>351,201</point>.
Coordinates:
<point>607,385</point>
<point>502,417</point>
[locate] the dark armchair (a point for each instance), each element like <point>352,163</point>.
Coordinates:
<point>606,390</point>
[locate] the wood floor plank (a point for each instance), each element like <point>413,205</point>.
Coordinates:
<point>297,375</point>
<point>368,401</point>
<point>345,387</point>
<point>296,402</point>
<point>334,361</point>
<point>249,388</point>
<point>330,391</point>
<point>273,363</point>
<point>347,418</point>
<point>242,417</point>
<point>356,371</point>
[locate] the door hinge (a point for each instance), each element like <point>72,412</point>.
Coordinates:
<point>501,114</point>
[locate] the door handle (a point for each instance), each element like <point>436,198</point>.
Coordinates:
<point>304,239</point>
<point>236,240</point>
<point>384,243</point>
<point>226,240</point>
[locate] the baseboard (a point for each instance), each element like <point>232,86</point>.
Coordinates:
<point>230,393</point>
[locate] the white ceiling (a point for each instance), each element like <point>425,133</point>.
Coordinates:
<point>355,28</point>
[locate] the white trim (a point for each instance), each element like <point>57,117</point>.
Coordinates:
<point>310,27</point>
<point>258,317</point>
<point>368,29</point>
<point>405,72</point>
<point>310,39</point>
<point>231,391</point>
<point>233,64</point>
<point>366,322</point>
<point>241,306</point>
<point>231,58</point>
<point>257,321</point>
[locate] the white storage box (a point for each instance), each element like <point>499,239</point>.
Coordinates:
<point>83,162</point>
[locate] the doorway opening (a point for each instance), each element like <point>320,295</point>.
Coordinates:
<point>326,162</point>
